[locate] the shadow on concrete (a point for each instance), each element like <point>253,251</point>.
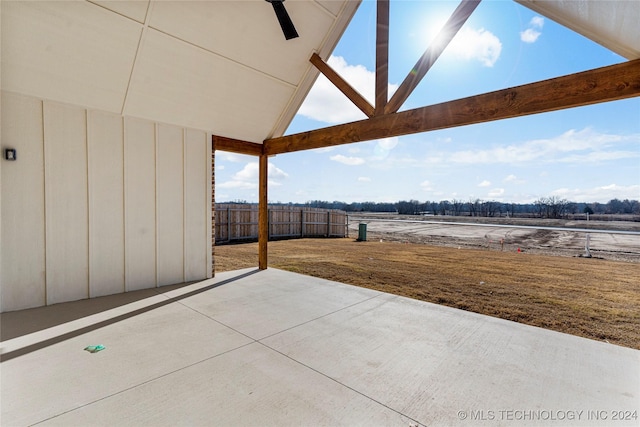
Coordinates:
<point>24,322</point>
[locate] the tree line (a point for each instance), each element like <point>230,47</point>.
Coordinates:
<point>544,207</point>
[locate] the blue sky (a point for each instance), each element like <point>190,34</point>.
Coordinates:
<point>584,154</point>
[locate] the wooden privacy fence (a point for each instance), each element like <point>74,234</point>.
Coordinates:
<point>237,222</point>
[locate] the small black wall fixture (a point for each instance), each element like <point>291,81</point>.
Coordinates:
<point>10,154</point>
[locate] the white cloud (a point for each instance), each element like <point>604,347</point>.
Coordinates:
<point>247,178</point>
<point>239,185</point>
<point>426,185</point>
<point>537,21</point>
<point>231,157</point>
<point>514,179</point>
<point>364,179</point>
<point>599,156</point>
<point>496,192</point>
<point>220,167</point>
<point>599,194</point>
<point>351,161</point>
<point>582,146</point>
<point>484,183</point>
<point>326,103</point>
<point>275,174</point>
<point>531,34</point>
<point>481,45</point>
<point>323,149</point>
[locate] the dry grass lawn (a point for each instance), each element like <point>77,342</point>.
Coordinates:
<point>592,298</point>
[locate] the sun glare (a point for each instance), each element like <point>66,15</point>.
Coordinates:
<point>431,28</point>
<point>469,44</point>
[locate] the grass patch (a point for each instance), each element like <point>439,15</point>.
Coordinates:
<point>597,299</point>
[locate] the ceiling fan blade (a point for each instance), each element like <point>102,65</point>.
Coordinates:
<point>283,18</point>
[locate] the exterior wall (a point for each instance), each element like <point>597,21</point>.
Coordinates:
<point>22,216</point>
<point>98,204</point>
<point>105,148</point>
<point>66,203</point>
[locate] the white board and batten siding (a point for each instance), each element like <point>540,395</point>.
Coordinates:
<point>98,204</point>
<point>66,203</point>
<point>22,217</point>
<point>140,219</point>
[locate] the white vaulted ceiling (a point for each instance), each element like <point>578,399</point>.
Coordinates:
<point>218,65</point>
<point>615,24</point>
<point>221,66</point>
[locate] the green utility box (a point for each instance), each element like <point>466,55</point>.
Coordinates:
<point>362,232</point>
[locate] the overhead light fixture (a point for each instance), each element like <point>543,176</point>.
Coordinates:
<point>10,154</point>
<point>283,18</point>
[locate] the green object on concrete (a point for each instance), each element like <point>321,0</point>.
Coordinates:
<point>362,232</point>
<point>95,348</point>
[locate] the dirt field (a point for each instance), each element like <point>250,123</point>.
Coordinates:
<point>589,297</point>
<point>621,242</point>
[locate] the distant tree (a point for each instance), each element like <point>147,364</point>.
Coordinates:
<point>411,207</point>
<point>474,206</point>
<point>598,208</point>
<point>540,207</point>
<point>444,208</point>
<point>432,207</point>
<point>490,208</point>
<point>629,205</point>
<point>457,206</point>
<point>614,206</point>
<point>544,207</point>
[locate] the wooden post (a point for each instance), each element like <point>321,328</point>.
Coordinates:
<point>346,231</point>
<point>328,223</point>
<point>263,213</point>
<point>228,223</point>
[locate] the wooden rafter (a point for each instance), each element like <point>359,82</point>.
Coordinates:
<point>604,84</point>
<point>342,85</point>
<point>382,56</point>
<point>433,52</point>
<point>263,212</point>
<point>236,146</point>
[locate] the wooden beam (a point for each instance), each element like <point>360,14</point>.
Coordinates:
<point>236,146</point>
<point>342,85</point>
<point>433,52</point>
<point>604,84</point>
<point>263,212</point>
<point>382,56</point>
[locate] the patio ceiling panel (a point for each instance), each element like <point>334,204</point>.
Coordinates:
<point>136,10</point>
<point>72,52</point>
<point>613,24</point>
<point>220,66</point>
<point>178,83</point>
<point>229,29</point>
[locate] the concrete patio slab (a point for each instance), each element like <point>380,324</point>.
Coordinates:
<point>252,385</point>
<point>429,362</point>
<point>271,303</point>
<point>278,348</point>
